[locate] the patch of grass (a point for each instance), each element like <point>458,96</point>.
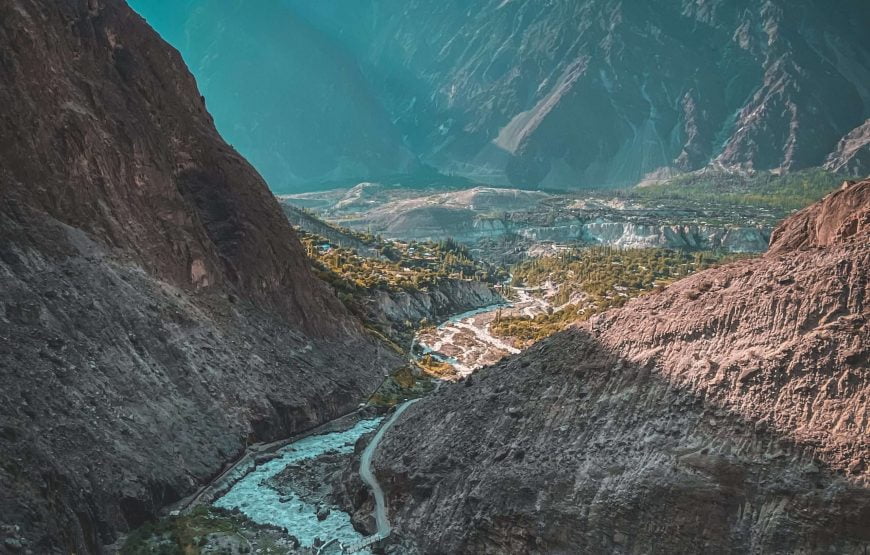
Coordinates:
<point>183,534</point>
<point>435,368</point>
<point>786,193</point>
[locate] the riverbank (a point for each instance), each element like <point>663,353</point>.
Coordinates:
<point>465,341</point>
<point>299,486</point>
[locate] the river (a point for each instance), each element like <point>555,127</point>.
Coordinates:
<point>464,340</point>
<point>260,502</point>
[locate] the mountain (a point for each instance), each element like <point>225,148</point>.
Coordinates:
<point>561,94</point>
<point>727,413</point>
<point>157,313</point>
<point>288,98</point>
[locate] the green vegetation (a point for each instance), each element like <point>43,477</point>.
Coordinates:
<point>590,280</point>
<point>189,534</point>
<point>405,383</point>
<point>436,368</point>
<point>777,192</point>
<point>400,266</point>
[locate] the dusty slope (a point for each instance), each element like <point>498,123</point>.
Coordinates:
<point>728,413</point>
<point>156,312</point>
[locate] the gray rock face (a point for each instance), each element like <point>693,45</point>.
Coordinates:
<point>400,312</point>
<point>156,311</point>
<point>725,414</point>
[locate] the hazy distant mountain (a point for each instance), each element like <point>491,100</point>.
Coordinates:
<point>284,95</point>
<point>558,94</point>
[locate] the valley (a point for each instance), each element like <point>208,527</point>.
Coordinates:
<point>707,211</point>
<point>499,277</point>
<point>469,352</point>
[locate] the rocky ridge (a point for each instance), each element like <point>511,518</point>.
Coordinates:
<point>852,156</point>
<point>728,413</point>
<point>156,312</point>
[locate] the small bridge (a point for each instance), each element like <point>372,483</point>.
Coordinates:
<point>364,543</point>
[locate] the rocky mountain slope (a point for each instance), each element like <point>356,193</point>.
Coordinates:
<point>156,311</point>
<point>562,94</point>
<point>853,152</point>
<point>399,313</point>
<point>727,413</point>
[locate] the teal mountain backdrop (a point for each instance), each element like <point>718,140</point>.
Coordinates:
<point>560,95</point>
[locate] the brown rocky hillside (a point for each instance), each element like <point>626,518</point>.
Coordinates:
<point>156,311</point>
<point>729,413</point>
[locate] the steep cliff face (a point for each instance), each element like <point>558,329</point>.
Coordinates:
<point>156,311</point>
<point>728,413</point>
<point>561,94</point>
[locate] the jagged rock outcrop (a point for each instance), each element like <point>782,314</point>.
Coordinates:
<point>727,413</point>
<point>843,217</point>
<point>156,311</point>
<point>562,94</point>
<point>852,156</point>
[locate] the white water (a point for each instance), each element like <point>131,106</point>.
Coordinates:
<point>262,504</point>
